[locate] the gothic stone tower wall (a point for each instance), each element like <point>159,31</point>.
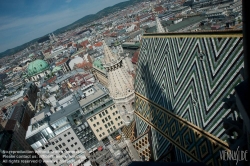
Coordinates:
<point>120,84</point>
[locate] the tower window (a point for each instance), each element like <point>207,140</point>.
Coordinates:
<point>124,107</point>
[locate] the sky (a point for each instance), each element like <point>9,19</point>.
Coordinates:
<point>24,20</point>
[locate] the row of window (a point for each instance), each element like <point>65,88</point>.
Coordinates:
<point>106,119</point>
<point>102,114</point>
<point>103,133</point>
<point>56,141</point>
<point>111,129</point>
<point>116,112</point>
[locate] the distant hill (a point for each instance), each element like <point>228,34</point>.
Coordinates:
<point>85,20</point>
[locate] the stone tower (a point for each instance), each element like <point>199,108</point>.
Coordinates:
<point>120,84</point>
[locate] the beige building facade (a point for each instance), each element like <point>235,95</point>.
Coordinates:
<point>105,122</point>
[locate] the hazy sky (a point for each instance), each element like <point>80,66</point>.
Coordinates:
<point>24,20</point>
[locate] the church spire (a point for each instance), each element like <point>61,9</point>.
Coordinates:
<point>120,84</point>
<point>109,56</point>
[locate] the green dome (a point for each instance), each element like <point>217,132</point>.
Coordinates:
<point>31,55</point>
<point>37,67</point>
<point>98,64</point>
<point>57,68</point>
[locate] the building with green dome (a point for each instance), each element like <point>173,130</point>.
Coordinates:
<point>36,70</point>
<point>100,72</point>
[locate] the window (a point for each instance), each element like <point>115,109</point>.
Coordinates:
<point>100,135</point>
<point>119,117</point>
<point>72,145</point>
<point>111,108</point>
<point>106,119</point>
<point>100,128</point>
<point>111,129</point>
<point>97,130</point>
<point>108,131</point>
<point>53,143</point>
<point>91,120</point>
<point>113,113</point>
<point>79,148</point>
<point>94,117</point>
<point>121,122</point>
<point>98,123</point>
<point>106,126</point>
<point>103,113</point>
<point>116,119</point>
<point>109,117</point>
<point>106,111</point>
<point>60,146</point>
<point>68,133</point>
<point>100,115</point>
<point>118,124</point>
<point>103,121</point>
<point>112,122</point>
<point>56,148</point>
<point>114,127</point>
<point>72,138</point>
<point>68,140</point>
<point>124,108</point>
<point>75,143</point>
<point>103,133</point>
<point>116,112</point>
<point>60,138</point>
<point>63,144</point>
<point>114,106</point>
<point>56,141</point>
<point>65,135</point>
<point>109,124</point>
<point>46,146</point>
<point>94,125</point>
<point>67,149</point>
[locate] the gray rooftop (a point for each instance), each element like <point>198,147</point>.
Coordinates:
<point>184,23</point>
<point>68,75</point>
<point>99,92</point>
<point>72,107</point>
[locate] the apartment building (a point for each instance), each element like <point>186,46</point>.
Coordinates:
<point>61,135</point>
<point>100,111</point>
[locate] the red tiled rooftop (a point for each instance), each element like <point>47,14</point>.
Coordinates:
<point>14,103</point>
<point>159,9</point>
<point>134,59</point>
<point>120,27</point>
<point>62,61</point>
<point>84,65</point>
<point>106,32</point>
<point>113,34</point>
<point>51,80</point>
<point>48,50</point>
<point>84,43</point>
<point>99,44</point>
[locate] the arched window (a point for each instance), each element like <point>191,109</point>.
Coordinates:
<point>124,108</point>
<point>133,105</point>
